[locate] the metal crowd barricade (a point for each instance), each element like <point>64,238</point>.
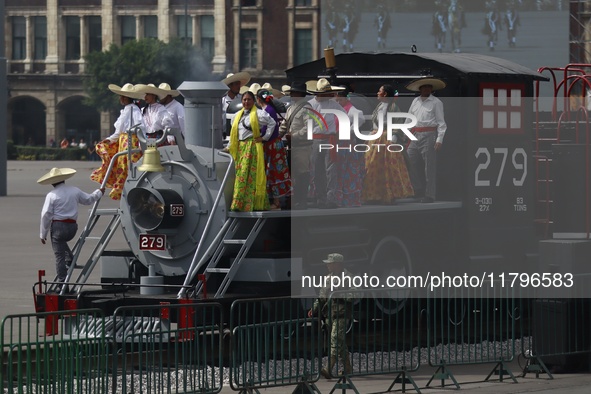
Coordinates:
<point>74,360</point>
<point>274,343</point>
<point>557,329</point>
<point>381,335</point>
<point>168,348</point>
<point>471,325</point>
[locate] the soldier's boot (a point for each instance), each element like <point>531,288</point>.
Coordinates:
<point>327,372</point>
<point>348,368</point>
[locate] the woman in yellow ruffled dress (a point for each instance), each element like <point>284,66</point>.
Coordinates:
<point>131,115</point>
<point>246,147</point>
<point>386,176</point>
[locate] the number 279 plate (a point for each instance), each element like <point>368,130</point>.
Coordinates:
<point>152,242</point>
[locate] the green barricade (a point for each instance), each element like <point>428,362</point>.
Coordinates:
<point>557,328</point>
<point>168,348</point>
<point>371,332</point>
<point>471,325</point>
<point>75,360</point>
<point>274,343</point>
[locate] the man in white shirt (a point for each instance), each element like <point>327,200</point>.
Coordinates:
<point>429,130</point>
<point>174,108</point>
<point>156,117</point>
<point>323,162</point>
<point>295,129</point>
<point>234,83</point>
<point>59,214</point>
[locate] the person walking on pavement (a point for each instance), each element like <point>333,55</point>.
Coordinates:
<point>430,130</point>
<point>59,215</point>
<point>336,310</point>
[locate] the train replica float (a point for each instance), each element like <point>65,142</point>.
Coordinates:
<point>513,196</point>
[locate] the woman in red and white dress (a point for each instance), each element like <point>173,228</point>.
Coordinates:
<point>277,170</point>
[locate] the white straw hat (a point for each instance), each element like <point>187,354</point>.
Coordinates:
<point>323,86</point>
<point>276,92</point>
<point>56,175</point>
<point>415,85</point>
<point>254,88</point>
<point>128,90</point>
<point>243,77</point>
<point>151,89</point>
<point>168,90</point>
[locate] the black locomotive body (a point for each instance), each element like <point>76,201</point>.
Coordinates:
<point>483,222</point>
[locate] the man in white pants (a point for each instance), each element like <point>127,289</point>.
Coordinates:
<point>429,130</point>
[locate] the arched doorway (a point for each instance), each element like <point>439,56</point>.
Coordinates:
<point>27,121</point>
<point>77,121</point>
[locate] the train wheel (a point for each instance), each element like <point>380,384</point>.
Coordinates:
<point>457,311</point>
<point>459,327</point>
<point>391,259</point>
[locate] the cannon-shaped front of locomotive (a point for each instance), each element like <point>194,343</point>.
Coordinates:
<point>171,205</point>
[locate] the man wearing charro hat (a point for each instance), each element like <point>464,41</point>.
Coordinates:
<point>336,309</point>
<point>234,83</point>
<point>322,162</point>
<point>156,117</point>
<point>430,130</point>
<point>174,108</point>
<point>59,214</point>
<point>294,127</point>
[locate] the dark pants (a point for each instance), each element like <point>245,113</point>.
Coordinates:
<point>423,163</point>
<point>61,233</point>
<point>325,173</point>
<point>300,171</point>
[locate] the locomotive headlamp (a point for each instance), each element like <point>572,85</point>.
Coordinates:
<point>153,209</point>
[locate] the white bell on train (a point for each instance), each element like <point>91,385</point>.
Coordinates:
<point>151,161</point>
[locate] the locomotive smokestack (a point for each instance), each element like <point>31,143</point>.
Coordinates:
<point>331,64</point>
<point>203,112</point>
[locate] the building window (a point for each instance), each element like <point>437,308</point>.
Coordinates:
<point>151,26</point>
<point>207,27</point>
<point>72,38</point>
<point>185,28</point>
<point>248,3</point>
<point>95,41</point>
<point>248,48</point>
<point>40,49</point>
<point>303,46</point>
<point>19,38</point>
<point>127,29</point>
<point>303,3</point>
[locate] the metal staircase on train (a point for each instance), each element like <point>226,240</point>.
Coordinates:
<point>230,237</point>
<point>549,136</point>
<point>102,240</point>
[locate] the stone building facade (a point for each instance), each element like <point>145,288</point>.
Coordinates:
<point>46,41</point>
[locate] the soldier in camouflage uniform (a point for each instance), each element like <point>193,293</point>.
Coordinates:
<point>335,311</point>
